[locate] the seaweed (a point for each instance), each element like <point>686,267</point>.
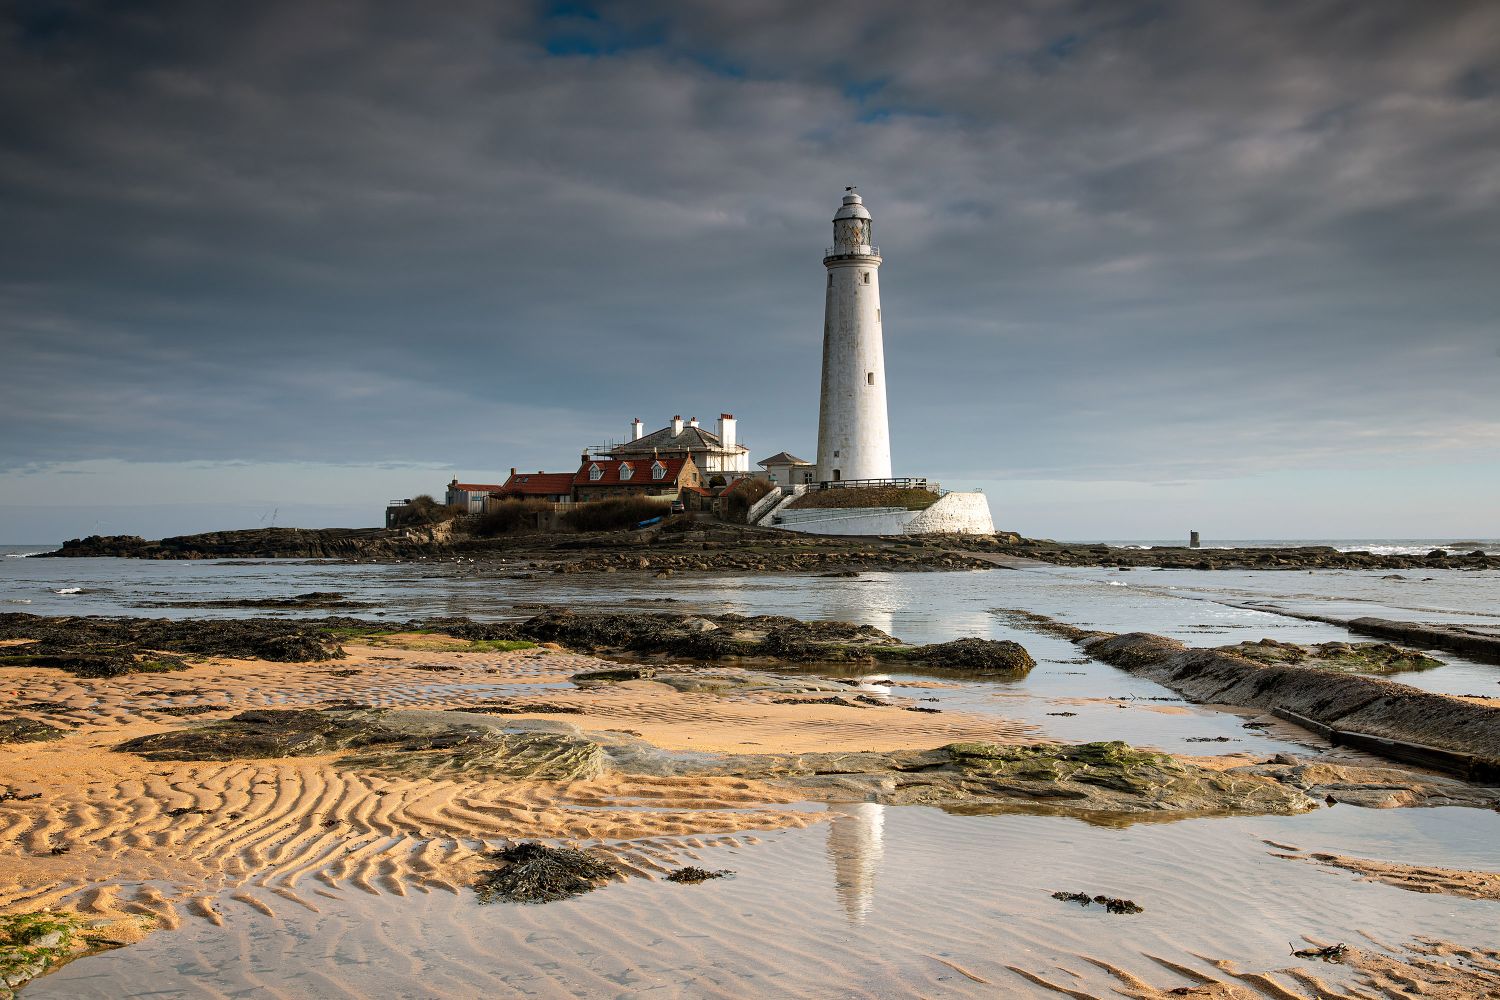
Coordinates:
<point>692,875</point>
<point>18,730</point>
<point>1111,904</point>
<point>536,873</point>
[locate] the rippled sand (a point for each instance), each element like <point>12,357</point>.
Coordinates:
<point>299,826</point>
<point>298,878</point>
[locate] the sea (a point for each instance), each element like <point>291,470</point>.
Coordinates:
<point>876,901</point>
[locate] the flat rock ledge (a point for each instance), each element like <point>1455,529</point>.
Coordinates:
<point>106,647</point>
<point>1099,782</point>
<point>1371,713</point>
<point>767,638</point>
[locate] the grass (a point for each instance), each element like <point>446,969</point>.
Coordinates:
<point>865,496</point>
<point>614,514</point>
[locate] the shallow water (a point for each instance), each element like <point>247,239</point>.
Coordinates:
<point>872,903</point>
<point>1200,608</point>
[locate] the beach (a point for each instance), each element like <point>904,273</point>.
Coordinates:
<point>359,877</point>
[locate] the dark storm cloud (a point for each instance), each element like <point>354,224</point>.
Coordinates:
<point>1170,240</point>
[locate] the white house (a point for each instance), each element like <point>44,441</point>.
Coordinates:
<point>786,469</point>
<point>713,452</point>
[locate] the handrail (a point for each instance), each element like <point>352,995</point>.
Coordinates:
<point>839,484</point>
<point>852,250</point>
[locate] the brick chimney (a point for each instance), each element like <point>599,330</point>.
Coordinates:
<point>676,424</point>
<point>727,430</point>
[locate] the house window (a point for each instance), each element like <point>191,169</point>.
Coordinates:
<point>658,471</point>
<point>869,378</point>
<point>867,277</point>
<point>626,471</point>
<point>807,477</point>
<point>595,473</point>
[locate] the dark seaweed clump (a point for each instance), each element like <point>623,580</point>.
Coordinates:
<point>1111,904</point>
<point>18,730</point>
<point>109,647</point>
<point>692,875</point>
<point>536,873</point>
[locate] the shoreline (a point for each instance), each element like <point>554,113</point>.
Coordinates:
<point>689,546</point>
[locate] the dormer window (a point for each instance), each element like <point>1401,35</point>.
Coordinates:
<point>626,471</point>
<point>595,473</point>
<point>658,471</point>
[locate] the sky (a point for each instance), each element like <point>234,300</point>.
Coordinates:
<point>1148,267</point>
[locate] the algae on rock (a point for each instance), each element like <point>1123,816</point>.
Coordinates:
<point>1085,780</point>
<point>1350,657</point>
<point>32,943</point>
<point>18,730</point>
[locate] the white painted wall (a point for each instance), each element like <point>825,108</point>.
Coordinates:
<point>849,521</point>
<point>955,513</point>
<point>853,428</point>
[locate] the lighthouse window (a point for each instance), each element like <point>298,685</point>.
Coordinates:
<point>830,279</point>
<point>877,314</point>
<point>869,378</point>
<point>867,277</point>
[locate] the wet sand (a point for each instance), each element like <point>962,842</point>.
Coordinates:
<point>257,856</point>
<point>299,825</point>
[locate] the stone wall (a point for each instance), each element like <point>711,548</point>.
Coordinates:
<point>955,513</point>
<point>850,521</point>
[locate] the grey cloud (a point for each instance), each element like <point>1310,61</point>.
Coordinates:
<point>1259,234</point>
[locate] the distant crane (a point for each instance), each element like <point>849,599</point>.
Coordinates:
<point>272,516</point>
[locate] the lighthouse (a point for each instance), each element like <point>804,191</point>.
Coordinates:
<point>854,436</point>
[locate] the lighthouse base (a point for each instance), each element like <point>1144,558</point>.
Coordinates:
<point>953,514</point>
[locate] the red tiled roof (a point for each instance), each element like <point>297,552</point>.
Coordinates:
<point>538,484</point>
<point>475,487</point>
<point>641,468</point>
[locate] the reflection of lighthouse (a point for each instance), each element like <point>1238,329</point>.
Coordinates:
<point>856,843</point>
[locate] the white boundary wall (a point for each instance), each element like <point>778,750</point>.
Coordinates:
<point>954,513</point>
<point>851,521</point>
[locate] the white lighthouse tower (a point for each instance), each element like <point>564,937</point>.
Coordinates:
<point>854,435</point>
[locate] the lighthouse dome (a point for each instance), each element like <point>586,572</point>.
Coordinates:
<point>853,207</point>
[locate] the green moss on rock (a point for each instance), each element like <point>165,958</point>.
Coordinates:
<point>18,730</point>
<point>32,943</point>
<point>1348,657</point>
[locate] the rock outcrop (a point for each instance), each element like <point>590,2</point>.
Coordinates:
<point>1094,780</point>
<point>1371,713</point>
